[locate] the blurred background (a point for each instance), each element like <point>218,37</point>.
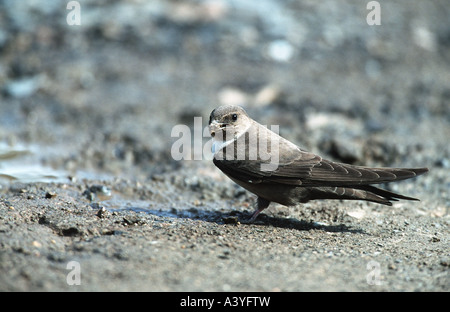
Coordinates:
<point>101,98</point>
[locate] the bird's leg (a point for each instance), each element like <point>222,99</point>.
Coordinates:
<point>261,205</point>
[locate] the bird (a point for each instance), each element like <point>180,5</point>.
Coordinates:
<point>277,170</point>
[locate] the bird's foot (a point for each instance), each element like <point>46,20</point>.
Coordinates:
<point>254,215</point>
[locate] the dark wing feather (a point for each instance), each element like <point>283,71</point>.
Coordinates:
<point>297,167</point>
<point>338,174</point>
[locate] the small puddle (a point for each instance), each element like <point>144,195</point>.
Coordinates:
<point>20,163</point>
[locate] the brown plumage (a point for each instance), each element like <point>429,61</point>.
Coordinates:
<point>291,175</point>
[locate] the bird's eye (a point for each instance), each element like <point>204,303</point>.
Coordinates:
<point>234,117</point>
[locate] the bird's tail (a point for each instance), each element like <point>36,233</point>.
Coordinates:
<point>360,192</point>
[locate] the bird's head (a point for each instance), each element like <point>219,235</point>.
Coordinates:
<point>228,122</point>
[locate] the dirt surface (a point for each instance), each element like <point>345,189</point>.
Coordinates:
<point>92,198</point>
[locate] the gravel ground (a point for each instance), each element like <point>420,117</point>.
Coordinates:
<point>92,199</point>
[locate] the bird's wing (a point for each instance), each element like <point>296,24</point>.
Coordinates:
<point>298,167</point>
<point>325,172</point>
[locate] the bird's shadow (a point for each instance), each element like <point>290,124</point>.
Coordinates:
<point>302,225</point>
<point>241,218</point>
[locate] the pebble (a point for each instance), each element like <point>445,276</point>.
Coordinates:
<point>280,51</point>
<point>357,213</point>
<point>23,87</point>
<point>50,195</point>
<point>443,163</point>
<point>232,96</point>
<point>344,151</point>
<point>101,192</point>
<point>267,95</point>
<point>231,220</point>
<point>424,38</point>
<point>103,213</point>
<point>435,239</point>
